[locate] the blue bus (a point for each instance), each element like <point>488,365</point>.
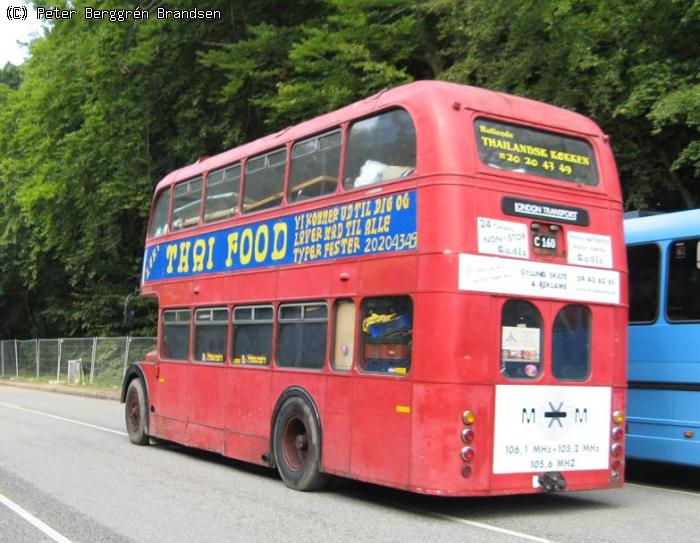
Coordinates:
<point>663,253</point>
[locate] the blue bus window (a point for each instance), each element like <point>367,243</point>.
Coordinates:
<point>643,262</point>
<point>683,281</point>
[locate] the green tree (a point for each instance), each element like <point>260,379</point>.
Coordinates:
<point>631,66</point>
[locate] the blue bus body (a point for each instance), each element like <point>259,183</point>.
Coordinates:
<point>664,337</point>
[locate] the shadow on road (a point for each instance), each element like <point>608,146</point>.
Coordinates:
<point>673,476</point>
<point>483,508</point>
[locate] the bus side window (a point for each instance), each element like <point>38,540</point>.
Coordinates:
<point>643,282</point>
<point>223,187</point>
<point>314,168</point>
<point>264,181</point>
<point>175,343</point>
<point>159,220</point>
<point>252,335</point>
<point>521,340</point>
<point>344,336</point>
<point>380,148</point>
<point>683,300</point>
<point>186,204</point>
<point>387,334</point>
<point>571,343</point>
<point>302,330</point>
<point>210,334</point>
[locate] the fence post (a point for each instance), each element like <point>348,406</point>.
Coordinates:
<point>16,361</point>
<point>2,358</point>
<point>94,355</point>
<point>58,360</point>
<point>126,355</point>
<point>36,351</point>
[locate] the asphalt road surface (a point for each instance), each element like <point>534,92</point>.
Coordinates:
<point>68,473</point>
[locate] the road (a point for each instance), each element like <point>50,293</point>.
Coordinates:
<point>68,473</point>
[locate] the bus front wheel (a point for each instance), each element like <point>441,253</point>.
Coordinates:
<point>297,446</point>
<point>136,413</point>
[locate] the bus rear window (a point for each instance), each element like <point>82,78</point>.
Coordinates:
<point>526,150</point>
<point>571,343</point>
<point>521,340</point>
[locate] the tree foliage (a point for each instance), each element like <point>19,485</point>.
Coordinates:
<point>102,110</point>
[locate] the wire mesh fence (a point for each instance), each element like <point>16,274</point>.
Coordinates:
<point>97,361</point>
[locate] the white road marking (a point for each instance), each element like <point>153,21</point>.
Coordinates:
<point>475,524</point>
<point>31,519</point>
<point>490,528</point>
<point>671,490</point>
<point>64,419</point>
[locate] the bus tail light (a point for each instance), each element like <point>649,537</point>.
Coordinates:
<point>468,417</point>
<point>617,433</point>
<point>616,450</point>
<point>467,454</point>
<point>618,417</point>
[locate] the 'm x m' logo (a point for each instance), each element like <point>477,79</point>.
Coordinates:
<point>555,415</point>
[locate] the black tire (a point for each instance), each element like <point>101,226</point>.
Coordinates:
<point>297,446</point>
<point>136,413</point>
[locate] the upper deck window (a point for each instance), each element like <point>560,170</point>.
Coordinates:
<point>159,221</point>
<point>264,181</point>
<point>519,149</point>
<point>223,188</point>
<point>380,148</point>
<point>315,165</point>
<point>684,281</point>
<point>186,203</point>
<point>643,263</point>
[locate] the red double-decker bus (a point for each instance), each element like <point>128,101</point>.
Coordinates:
<point>425,289</point>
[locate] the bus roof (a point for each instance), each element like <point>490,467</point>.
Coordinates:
<point>413,97</point>
<point>663,226</point>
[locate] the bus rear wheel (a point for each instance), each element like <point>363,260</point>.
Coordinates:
<point>136,413</point>
<point>297,446</point>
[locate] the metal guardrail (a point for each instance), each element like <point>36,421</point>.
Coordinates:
<point>103,360</point>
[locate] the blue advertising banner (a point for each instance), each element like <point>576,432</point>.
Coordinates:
<point>377,225</point>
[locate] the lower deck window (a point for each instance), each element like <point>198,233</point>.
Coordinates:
<point>301,341</point>
<point>211,329</point>
<point>571,343</point>
<point>387,330</point>
<point>175,343</point>
<point>252,335</point>
<point>521,340</point>
<point>344,335</point>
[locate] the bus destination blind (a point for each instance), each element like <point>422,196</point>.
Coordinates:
<point>506,146</point>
